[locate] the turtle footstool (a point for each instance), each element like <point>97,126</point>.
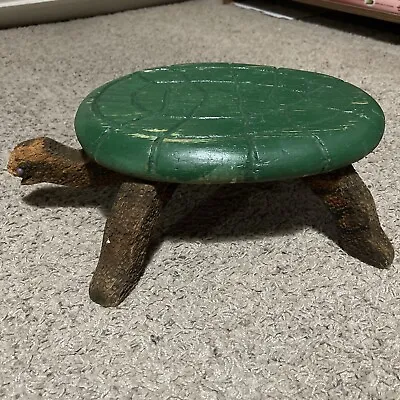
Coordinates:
<point>212,124</point>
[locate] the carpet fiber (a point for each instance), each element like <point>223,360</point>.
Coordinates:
<point>247,295</point>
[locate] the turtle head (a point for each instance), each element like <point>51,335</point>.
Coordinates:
<point>28,161</point>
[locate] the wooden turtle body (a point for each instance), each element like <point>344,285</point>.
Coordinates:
<point>223,123</point>
<point>213,123</point>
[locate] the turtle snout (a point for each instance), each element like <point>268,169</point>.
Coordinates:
<point>22,173</point>
<point>20,170</point>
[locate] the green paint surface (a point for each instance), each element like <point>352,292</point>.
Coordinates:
<point>220,123</point>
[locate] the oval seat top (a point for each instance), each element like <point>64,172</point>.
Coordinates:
<point>226,123</point>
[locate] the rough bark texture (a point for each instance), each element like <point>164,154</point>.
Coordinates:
<point>352,205</point>
<point>45,160</point>
<point>137,208</point>
<point>133,216</point>
<point>126,239</point>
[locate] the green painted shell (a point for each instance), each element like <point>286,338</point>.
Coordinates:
<point>220,123</point>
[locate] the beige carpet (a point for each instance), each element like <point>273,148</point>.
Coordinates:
<point>247,297</point>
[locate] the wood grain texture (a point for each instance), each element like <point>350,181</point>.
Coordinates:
<point>126,239</point>
<point>350,202</point>
<point>46,160</point>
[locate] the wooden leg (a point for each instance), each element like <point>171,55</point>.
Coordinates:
<point>126,239</point>
<point>351,203</point>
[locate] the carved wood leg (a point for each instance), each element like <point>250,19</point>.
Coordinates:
<point>129,227</point>
<point>351,203</point>
<point>126,239</point>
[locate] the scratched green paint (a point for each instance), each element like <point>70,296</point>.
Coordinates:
<point>219,123</point>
